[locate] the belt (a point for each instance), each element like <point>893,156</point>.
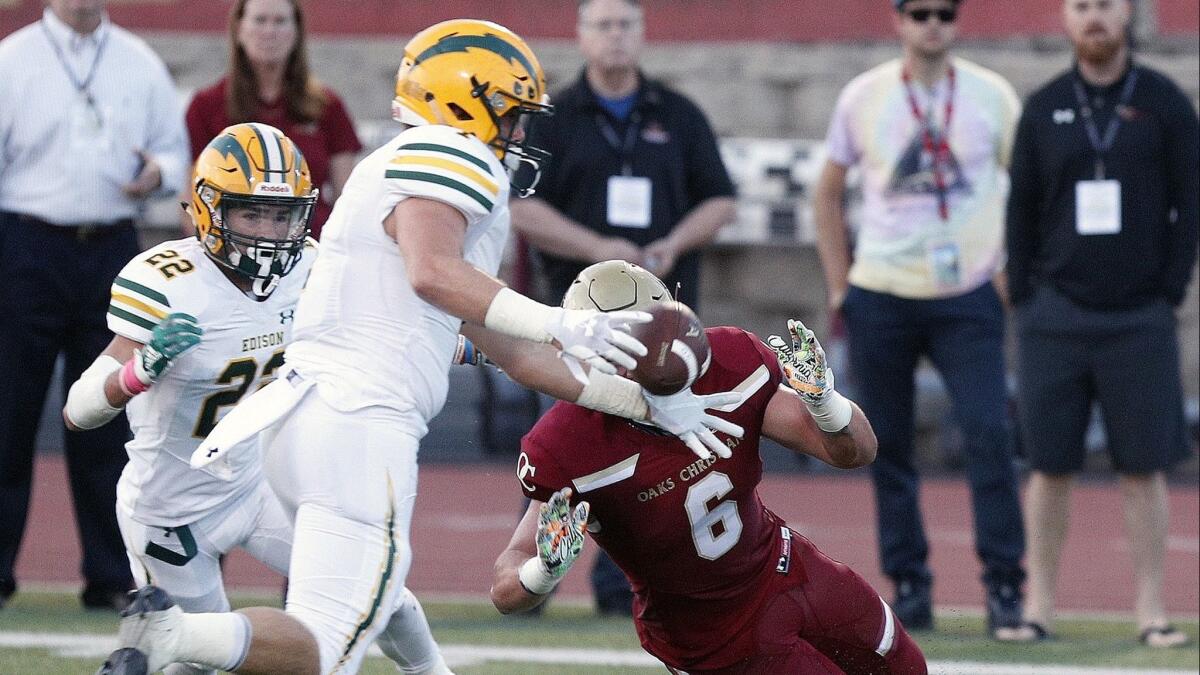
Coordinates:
<point>81,232</point>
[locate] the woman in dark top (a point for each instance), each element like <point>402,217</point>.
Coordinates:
<point>269,81</point>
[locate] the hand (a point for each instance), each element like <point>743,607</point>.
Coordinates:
<point>661,257</point>
<point>148,179</point>
<point>174,336</point>
<point>682,414</point>
<point>600,339</point>
<point>803,363</point>
<point>837,296</point>
<point>560,533</point>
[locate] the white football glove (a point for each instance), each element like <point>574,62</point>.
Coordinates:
<point>560,537</point>
<point>599,339</point>
<point>683,414</point>
<point>803,364</point>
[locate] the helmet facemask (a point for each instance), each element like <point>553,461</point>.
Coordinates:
<point>511,119</point>
<point>259,237</point>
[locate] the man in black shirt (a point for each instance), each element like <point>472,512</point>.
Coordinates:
<point>635,173</point>
<point>1102,231</point>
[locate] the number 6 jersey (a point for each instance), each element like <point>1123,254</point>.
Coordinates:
<point>692,535</point>
<point>240,351</point>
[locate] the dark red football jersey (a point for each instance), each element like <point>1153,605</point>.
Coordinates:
<point>692,535</point>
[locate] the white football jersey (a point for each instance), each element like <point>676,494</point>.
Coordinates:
<point>361,330</point>
<point>241,350</point>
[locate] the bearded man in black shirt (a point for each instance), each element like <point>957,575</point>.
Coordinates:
<point>1102,231</point>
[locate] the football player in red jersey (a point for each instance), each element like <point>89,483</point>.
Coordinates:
<point>721,584</point>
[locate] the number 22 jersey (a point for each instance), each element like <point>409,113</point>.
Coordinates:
<point>240,351</point>
<point>692,535</point>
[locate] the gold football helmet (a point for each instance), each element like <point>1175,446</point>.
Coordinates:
<point>470,74</point>
<point>255,167</point>
<point>615,285</point>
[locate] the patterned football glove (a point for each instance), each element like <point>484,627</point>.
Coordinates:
<point>803,363</point>
<point>560,537</point>
<point>683,414</point>
<point>173,337</point>
<point>599,339</point>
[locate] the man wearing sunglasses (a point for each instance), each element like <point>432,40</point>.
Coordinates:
<point>929,134</point>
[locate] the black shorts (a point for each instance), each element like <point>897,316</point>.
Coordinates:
<point>1127,361</point>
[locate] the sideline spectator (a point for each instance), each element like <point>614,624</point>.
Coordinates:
<point>1102,231</point>
<point>931,134</point>
<point>269,81</point>
<point>96,131</point>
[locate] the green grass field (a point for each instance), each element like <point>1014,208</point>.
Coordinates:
<point>480,641</point>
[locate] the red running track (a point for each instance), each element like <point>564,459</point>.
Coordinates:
<point>465,515</point>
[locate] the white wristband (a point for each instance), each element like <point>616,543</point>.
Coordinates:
<point>534,577</point>
<point>833,414</point>
<point>514,314</point>
<point>87,405</point>
<point>614,395</point>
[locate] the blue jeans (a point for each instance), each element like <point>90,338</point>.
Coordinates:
<point>964,338</point>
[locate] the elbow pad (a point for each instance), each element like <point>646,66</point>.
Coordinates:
<point>87,406</point>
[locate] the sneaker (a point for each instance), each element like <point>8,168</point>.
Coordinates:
<point>124,661</point>
<point>1163,637</point>
<point>913,606</point>
<point>149,628</point>
<point>1005,608</point>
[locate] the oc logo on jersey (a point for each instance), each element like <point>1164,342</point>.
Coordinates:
<point>524,469</point>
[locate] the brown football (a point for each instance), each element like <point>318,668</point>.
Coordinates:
<point>677,349</point>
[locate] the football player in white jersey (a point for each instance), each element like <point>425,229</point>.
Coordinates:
<point>407,260</point>
<point>200,322</point>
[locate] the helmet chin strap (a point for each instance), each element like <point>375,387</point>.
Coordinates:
<point>264,281</point>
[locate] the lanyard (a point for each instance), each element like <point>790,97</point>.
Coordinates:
<point>82,87</point>
<point>938,148</point>
<point>624,147</point>
<point>1103,145</point>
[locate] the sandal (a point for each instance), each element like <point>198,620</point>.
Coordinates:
<point>1163,637</point>
<point>1029,631</point>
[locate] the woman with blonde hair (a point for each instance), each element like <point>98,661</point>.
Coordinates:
<point>269,81</point>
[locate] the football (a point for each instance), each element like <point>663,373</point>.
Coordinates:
<point>677,349</point>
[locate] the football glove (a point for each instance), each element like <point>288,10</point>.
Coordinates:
<point>683,414</point>
<point>560,537</point>
<point>803,363</point>
<point>599,339</point>
<point>173,337</point>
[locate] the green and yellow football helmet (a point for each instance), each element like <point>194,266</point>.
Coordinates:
<point>253,166</point>
<point>469,74</point>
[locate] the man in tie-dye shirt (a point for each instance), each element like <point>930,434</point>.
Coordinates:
<point>930,136</point>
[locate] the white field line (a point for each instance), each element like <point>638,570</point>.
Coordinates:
<point>75,645</point>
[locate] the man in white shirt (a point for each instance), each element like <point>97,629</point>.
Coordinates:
<point>89,127</point>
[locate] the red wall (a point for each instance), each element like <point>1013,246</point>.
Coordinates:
<point>788,20</point>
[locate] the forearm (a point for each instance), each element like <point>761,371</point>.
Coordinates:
<point>533,366</point>
<point>551,232</point>
<point>701,225</point>
<point>833,247</point>
<point>508,595</point>
<point>851,447</point>
<point>97,396</point>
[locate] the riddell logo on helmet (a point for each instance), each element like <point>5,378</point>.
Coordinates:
<point>273,189</point>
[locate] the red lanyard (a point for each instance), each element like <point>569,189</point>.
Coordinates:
<point>938,149</point>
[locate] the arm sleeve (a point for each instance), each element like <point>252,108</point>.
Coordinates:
<point>840,144</point>
<point>340,136</point>
<point>1183,192</point>
<point>167,139</point>
<point>438,163</point>
<point>707,176</point>
<point>1021,223</point>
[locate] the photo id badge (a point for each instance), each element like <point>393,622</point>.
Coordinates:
<point>943,261</point>
<point>1098,207</point>
<point>629,201</point>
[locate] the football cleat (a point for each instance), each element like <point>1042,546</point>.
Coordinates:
<point>150,628</point>
<point>124,661</point>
